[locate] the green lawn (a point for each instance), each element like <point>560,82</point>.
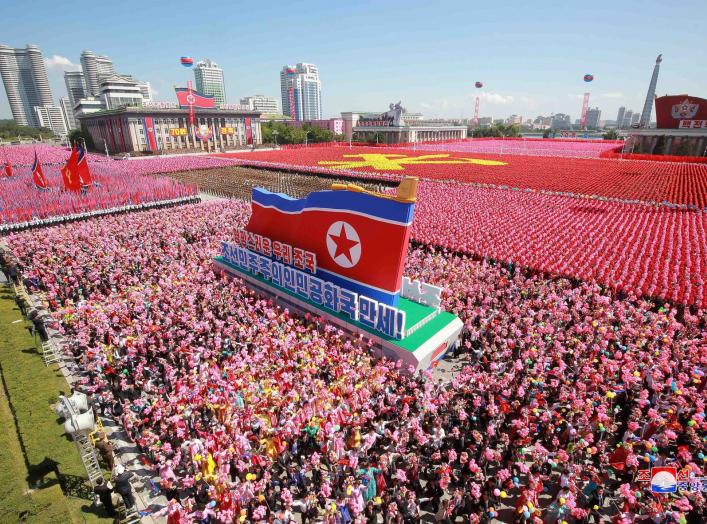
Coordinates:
<point>37,462</point>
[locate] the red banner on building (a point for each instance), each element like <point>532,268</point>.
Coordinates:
<point>150,134</point>
<point>248,131</point>
<point>680,112</point>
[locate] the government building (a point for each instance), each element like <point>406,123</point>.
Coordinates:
<point>396,126</point>
<point>163,128</point>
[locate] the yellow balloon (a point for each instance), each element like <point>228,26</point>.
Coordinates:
<point>504,494</point>
<point>562,500</point>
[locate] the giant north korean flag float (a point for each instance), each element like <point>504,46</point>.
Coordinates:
<point>340,254</point>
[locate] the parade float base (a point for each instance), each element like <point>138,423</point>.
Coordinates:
<point>430,333</point>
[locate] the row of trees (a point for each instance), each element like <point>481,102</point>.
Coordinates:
<point>286,134</point>
<point>495,130</point>
<point>9,131</point>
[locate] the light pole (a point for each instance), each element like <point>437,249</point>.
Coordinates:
<point>306,136</point>
<point>274,134</point>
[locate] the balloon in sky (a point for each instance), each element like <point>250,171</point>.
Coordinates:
<point>187,61</point>
<point>588,77</point>
<point>478,84</point>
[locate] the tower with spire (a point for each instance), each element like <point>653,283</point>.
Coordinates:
<point>650,95</point>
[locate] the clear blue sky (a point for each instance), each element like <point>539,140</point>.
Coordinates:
<point>531,56</point>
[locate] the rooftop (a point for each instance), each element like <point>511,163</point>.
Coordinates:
<point>135,110</point>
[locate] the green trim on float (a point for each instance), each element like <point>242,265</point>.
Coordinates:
<point>414,314</point>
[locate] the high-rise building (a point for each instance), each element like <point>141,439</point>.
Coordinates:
<point>95,69</point>
<point>634,119</point>
<point>26,84</point>
<point>301,92</point>
<point>68,113</point>
<point>645,119</point>
<point>628,118</point>
<point>76,90</point>
<point>593,117</point>
<point>51,117</point>
<point>265,104</point>
<point>620,116</point>
<point>209,80</point>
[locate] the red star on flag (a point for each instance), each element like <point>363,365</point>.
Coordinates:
<point>343,244</point>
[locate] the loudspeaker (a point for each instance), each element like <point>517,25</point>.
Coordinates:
<point>84,423</point>
<point>78,401</point>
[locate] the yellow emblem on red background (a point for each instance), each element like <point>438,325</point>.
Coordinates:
<point>396,162</point>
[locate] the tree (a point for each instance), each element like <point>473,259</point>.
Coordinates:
<point>317,134</point>
<point>78,136</point>
<point>9,130</point>
<point>497,130</point>
<point>610,134</point>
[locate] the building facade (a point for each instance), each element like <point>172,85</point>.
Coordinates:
<point>87,106</point>
<point>51,117</point>
<point>116,91</point>
<point>147,129</point>
<point>95,69</point>
<point>392,128</point>
<point>265,104</point>
<point>76,90</point>
<point>209,80</point>
<point>335,125</point>
<point>593,118</point>
<point>620,117</point>
<point>25,78</point>
<point>67,112</point>
<point>301,92</point>
<point>681,128</point>
<point>146,90</point>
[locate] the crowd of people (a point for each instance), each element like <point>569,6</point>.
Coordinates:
<point>564,392</point>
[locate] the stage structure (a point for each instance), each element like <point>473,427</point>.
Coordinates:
<point>340,254</point>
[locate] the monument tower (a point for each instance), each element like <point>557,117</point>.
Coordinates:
<point>645,120</point>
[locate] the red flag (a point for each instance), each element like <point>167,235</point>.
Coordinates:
<point>82,168</point>
<point>38,174</point>
<point>70,173</point>
<point>8,168</point>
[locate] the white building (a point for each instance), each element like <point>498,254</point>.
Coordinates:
<point>301,92</point>
<point>117,91</point>
<point>96,68</point>
<point>146,90</point>
<point>209,80</point>
<point>86,106</point>
<point>68,113</point>
<point>264,104</point>
<point>392,127</point>
<point>51,117</point>
<point>25,78</point>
